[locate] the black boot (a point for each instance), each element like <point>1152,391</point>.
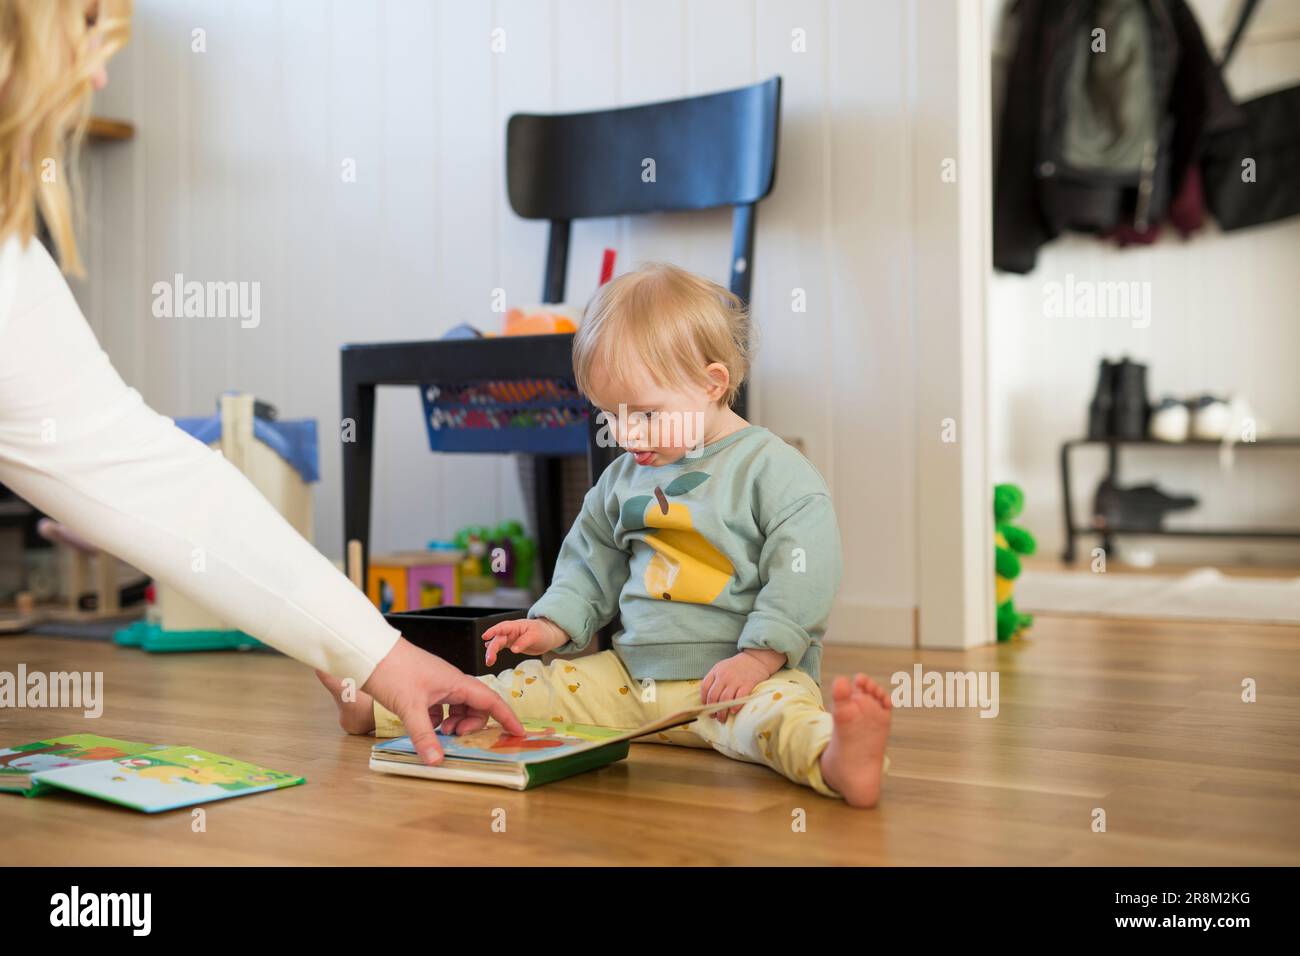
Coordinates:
<point>1132,410</point>
<point>1137,508</point>
<point>1101,412</point>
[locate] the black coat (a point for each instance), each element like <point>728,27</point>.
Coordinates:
<point>1037,194</point>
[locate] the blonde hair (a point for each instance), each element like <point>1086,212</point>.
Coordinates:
<point>672,322</point>
<point>48,54</point>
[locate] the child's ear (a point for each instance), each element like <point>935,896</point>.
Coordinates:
<point>720,380</point>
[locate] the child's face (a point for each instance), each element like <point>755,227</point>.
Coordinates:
<point>659,424</point>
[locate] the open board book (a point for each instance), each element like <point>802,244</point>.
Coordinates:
<point>148,777</point>
<point>550,750</point>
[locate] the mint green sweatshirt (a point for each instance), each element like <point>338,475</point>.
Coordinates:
<point>734,548</point>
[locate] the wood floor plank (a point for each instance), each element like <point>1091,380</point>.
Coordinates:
<point>1143,719</point>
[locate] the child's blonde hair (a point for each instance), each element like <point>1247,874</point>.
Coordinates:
<point>672,322</point>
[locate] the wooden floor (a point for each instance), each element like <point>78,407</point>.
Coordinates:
<point>1143,720</point>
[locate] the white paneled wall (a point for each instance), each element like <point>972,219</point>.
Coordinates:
<point>1224,321</point>
<point>235,174</point>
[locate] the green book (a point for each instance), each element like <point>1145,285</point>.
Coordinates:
<point>147,777</point>
<point>549,751</point>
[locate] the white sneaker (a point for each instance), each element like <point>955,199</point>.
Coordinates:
<point>1170,421</point>
<point>1211,418</point>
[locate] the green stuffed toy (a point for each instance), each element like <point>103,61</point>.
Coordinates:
<point>480,541</point>
<point>1008,502</point>
<point>521,552</point>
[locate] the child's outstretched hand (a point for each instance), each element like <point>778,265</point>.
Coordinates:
<point>524,636</point>
<point>737,677</point>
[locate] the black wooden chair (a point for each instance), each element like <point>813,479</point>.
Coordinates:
<point>708,151</point>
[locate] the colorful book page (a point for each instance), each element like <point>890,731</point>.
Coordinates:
<point>169,778</point>
<point>68,751</point>
<point>544,741</point>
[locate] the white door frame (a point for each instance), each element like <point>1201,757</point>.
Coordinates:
<point>952,192</point>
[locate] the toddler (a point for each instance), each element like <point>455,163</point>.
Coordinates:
<point>712,539</point>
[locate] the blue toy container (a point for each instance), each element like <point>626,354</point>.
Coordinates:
<point>540,416</point>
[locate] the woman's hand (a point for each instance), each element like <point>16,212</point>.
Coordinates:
<point>411,682</point>
<point>737,677</point>
<point>524,636</point>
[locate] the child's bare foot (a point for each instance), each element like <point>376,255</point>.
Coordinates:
<point>355,716</point>
<point>853,761</point>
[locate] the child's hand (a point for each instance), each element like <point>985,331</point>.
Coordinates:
<point>524,636</point>
<point>735,677</point>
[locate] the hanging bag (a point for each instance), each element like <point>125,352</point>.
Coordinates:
<point>1251,172</point>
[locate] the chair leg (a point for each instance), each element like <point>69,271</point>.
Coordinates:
<point>358,466</point>
<point>548,497</point>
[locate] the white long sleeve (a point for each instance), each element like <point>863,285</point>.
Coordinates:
<point>83,447</point>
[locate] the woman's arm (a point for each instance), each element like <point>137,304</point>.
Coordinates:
<point>80,445</point>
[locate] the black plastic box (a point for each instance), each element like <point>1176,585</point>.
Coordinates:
<point>455,633</point>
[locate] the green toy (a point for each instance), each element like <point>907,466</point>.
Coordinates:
<point>1012,541</point>
<point>518,550</point>
<point>149,636</point>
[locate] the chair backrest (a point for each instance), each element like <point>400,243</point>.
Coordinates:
<point>695,153</point>
<point>707,151</point>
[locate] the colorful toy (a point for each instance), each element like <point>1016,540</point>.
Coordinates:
<point>1012,541</point>
<point>475,573</point>
<point>537,416</point>
<point>518,556</point>
<point>497,557</point>
<point>544,320</point>
<point>413,580</point>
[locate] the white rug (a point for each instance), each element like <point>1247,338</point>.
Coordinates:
<point>1200,595</point>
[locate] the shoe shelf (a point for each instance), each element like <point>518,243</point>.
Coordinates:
<point>1107,531</point>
